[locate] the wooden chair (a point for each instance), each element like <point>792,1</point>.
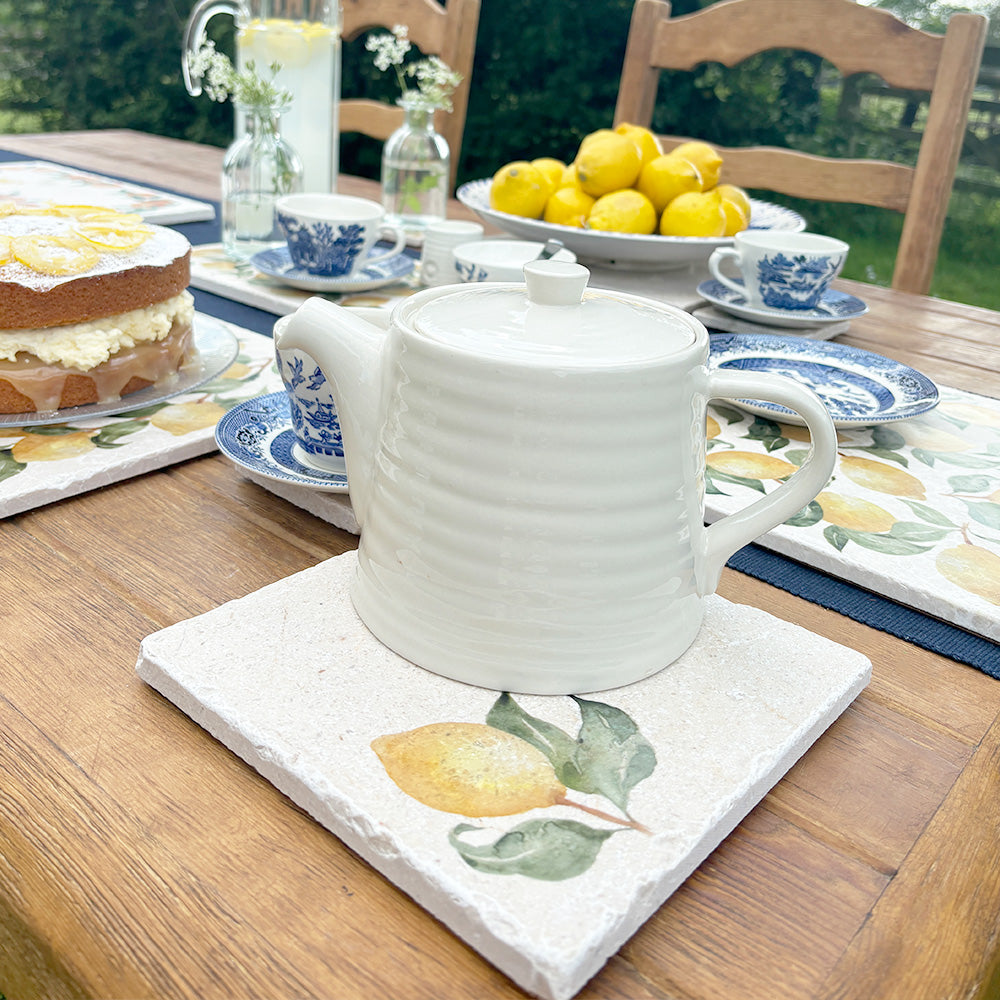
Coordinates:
<point>855,39</point>
<point>445,31</point>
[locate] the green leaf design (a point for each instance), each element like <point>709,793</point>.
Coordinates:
<point>809,514</point>
<point>9,466</point>
<point>146,411</point>
<point>796,456</point>
<point>970,484</point>
<point>767,432</point>
<point>985,513</point>
<point>551,850</point>
<point>928,513</point>
<point>612,756</point>
<point>727,413</point>
<point>887,544</point>
<point>951,458</point>
<point>914,531</point>
<point>836,536</point>
<point>712,474</point>
<point>885,437</point>
<point>108,436</point>
<point>552,741</point>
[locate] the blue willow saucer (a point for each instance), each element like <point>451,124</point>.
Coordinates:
<point>835,307</point>
<point>859,388</point>
<point>258,436</point>
<point>277,263</point>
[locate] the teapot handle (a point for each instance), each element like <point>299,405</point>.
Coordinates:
<point>735,530</point>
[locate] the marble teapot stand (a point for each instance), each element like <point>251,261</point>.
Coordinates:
<point>291,681</point>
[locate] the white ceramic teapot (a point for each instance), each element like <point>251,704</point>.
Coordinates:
<point>527,464</point>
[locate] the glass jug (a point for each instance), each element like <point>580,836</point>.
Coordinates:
<point>304,37</point>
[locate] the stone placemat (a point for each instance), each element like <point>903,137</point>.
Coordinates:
<point>291,681</point>
<point>912,511</point>
<point>42,181</point>
<point>49,462</point>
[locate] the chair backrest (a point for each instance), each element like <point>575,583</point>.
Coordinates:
<point>445,31</point>
<point>855,39</point>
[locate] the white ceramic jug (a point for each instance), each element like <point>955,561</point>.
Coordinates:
<point>527,465</point>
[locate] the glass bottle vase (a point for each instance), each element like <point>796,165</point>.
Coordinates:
<point>415,170</point>
<point>258,168</point>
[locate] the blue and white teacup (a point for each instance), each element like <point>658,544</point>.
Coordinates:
<point>315,423</point>
<point>331,235</point>
<point>781,270</point>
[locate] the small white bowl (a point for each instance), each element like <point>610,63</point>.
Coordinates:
<point>499,260</point>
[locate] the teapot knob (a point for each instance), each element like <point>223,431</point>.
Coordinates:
<point>555,282</point>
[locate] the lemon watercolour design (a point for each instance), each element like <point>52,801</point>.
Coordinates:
<point>516,763</point>
<point>927,486</point>
<point>177,416</point>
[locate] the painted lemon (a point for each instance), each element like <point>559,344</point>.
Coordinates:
<point>469,768</point>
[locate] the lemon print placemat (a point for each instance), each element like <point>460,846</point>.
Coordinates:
<point>912,511</point>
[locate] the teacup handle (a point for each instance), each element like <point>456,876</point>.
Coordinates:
<point>735,530</point>
<point>399,247</point>
<point>715,266</point>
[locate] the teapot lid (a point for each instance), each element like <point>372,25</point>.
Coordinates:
<point>555,319</point>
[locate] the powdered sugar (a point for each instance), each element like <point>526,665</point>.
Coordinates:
<point>162,248</point>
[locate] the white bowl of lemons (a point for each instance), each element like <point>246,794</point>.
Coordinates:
<point>623,203</point>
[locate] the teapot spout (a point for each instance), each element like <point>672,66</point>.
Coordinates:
<point>347,345</point>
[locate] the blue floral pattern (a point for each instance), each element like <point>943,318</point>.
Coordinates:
<point>795,281</point>
<point>322,248</point>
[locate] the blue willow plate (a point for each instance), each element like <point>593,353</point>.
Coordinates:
<point>258,436</point>
<point>859,388</point>
<point>277,263</point>
<point>835,307</point>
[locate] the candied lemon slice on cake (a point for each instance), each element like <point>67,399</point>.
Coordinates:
<point>114,234</point>
<point>5,252</point>
<point>49,253</point>
<point>97,213</point>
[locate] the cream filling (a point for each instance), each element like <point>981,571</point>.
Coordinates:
<point>85,345</point>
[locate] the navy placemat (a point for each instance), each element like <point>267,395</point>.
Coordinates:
<point>814,586</point>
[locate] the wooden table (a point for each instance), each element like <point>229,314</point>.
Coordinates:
<point>139,858</point>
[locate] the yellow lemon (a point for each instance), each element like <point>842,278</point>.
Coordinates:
<point>519,189</point>
<point>551,169</point>
<point>627,211</point>
<point>666,177</point>
<point>972,568</point>
<point>183,418</point>
<point>5,252</point>
<point>470,769</point>
<point>53,254</point>
<point>697,213</point>
<point>52,447</point>
<point>881,477</point>
<point>854,513</point>
<point>649,145</point>
<point>569,178</point>
<point>750,465</point>
<point>601,133</point>
<point>608,163</point>
<point>736,205</point>
<point>705,158</point>
<point>569,206</point>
